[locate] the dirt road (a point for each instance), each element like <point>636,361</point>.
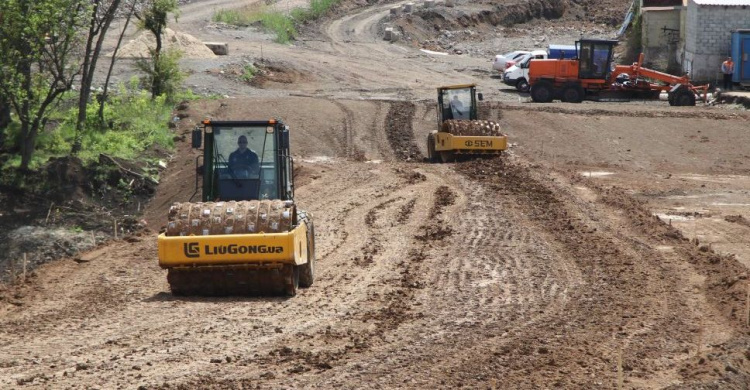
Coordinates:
<point>572,262</point>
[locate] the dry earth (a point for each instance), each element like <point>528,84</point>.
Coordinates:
<point>607,249</point>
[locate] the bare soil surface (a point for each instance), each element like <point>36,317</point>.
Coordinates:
<point>607,249</point>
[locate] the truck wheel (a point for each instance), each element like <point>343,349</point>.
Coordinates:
<point>542,92</point>
<point>431,154</point>
<point>684,97</point>
<point>572,94</point>
<point>307,270</point>
<point>522,85</point>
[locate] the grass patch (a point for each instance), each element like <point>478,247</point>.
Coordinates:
<point>279,23</point>
<point>241,17</point>
<point>248,72</point>
<point>317,9</point>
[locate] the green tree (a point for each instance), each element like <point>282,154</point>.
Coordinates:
<point>102,12</point>
<point>4,118</point>
<point>127,15</point>
<point>38,42</point>
<point>160,71</point>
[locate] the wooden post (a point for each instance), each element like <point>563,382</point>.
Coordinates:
<point>12,270</point>
<point>23,278</point>
<point>619,369</point>
<point>49,212</point>
<point>700,337</point>
<point>115,223</point>
<point>695,230</point>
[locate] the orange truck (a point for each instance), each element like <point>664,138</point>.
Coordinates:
<point>592,75</point>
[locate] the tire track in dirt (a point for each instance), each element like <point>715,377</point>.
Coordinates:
<point>496,277</point>
<point>621,290</point>
<point>351,150</point>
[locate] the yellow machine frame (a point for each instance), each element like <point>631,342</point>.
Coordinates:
<point>469,144</point>
<point>262,250</point>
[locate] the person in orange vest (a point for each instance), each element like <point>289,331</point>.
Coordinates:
<point>727,67</point>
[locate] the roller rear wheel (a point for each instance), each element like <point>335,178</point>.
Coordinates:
<point>291,280</point>
<point>431,153</point>
<point>307,270</point>
<point>447,156</point>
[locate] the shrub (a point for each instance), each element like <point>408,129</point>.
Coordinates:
<point>134,123</point>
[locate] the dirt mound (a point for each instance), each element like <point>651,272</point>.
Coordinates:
<point>190,46</point>
<point>495,14</point>
<point>737,219</point>
<point>448,28</point>
<point>69,208</point>
<point>399,131</point>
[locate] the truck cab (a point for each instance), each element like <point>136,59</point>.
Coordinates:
<point>518,74</point>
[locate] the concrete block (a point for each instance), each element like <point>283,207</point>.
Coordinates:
<point>408,7</point>
<point>429,3</point>
<point>219,48</point>
<point>395,11</point>
<point>391,35</point>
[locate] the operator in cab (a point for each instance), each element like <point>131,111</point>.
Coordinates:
<point>243,161</point>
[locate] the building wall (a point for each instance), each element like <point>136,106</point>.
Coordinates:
<point>708,37</point>
<point>660,45</point>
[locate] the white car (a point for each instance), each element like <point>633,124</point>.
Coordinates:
<point>517,75</point>
<point>505,61</point>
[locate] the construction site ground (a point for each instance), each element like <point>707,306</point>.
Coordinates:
<point>607,249</point>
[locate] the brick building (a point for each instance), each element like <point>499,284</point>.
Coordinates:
<point>708,30</point>
<point>662,34</point>
<point>691,36</point>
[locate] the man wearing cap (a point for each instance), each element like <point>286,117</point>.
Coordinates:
<point>243,159</point>
<point>727,67</point>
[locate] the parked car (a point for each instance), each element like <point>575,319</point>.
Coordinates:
<point>505,61</point>
<point>518,74</point>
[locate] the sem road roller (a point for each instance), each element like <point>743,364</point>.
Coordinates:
<point>247,236</point>
<point>459,132</point>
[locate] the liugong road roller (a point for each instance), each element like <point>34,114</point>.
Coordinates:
<point>247,236</point>
<point>460,133</point>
